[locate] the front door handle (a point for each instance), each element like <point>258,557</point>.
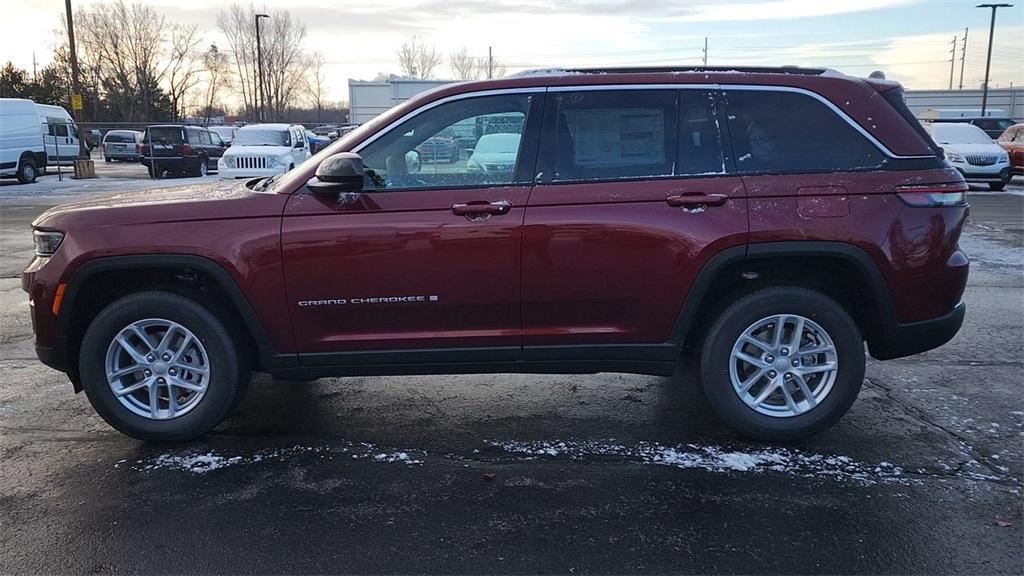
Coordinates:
<point>482,209</point>
<point>696,200</point>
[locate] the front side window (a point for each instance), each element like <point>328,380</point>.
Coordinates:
<point>467,142</point>
<point>609,134</point>
<point>779,131</point>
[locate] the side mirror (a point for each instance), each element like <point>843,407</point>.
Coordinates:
<point>342,172</point>
<point>469,151</point>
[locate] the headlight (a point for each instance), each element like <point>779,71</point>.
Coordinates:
<point>1003,158</point>
<point>230,161</point>
<point>954,156</point>
<point>273,162</point>
<point>46,243</point>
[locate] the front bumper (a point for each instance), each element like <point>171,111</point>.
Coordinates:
<point>895,340</point>
<point>232,173</point>
<point>985,174</point>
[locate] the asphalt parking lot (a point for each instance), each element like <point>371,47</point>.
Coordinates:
<point>605,473</point>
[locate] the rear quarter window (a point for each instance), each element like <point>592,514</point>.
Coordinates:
<point>782,132</point>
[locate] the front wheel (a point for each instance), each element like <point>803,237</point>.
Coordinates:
<point>996,186</point>
<point>26,172</point>
<point>158,366</point>
<point>782,363</point>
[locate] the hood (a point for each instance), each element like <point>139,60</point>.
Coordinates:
<point>494,157</point>
<point>212,201</point>
<point>992,148</point>
<point>258,151</point>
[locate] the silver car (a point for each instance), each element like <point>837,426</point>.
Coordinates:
<point>121,145</point>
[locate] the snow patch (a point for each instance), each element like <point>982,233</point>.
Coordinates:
<point>716,459</point>
<point>201,463</point>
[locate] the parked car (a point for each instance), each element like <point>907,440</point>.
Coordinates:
<point>439,148</point>
<point>264,150</point>
<point>494,153</point>
<point>1012,140</point>
<point>60,135</point>
<point>22,153</point>
<point>122,145</point>
<point>93,137</point>
<point>226,133</point>
<point>316,143</point>
<point>768,221</point>
<point>970,150</point>
<point>179,149</point>
<point>994,127</point>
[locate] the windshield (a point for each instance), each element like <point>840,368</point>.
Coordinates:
<point>958,134</point>
<point>261,137</point>
<point>497,144</point>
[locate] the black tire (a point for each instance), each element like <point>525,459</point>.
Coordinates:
<point>27,171</point>
<point>202,168</point>
<point>107,159</point>
<point>996,186</point>
<point>228,369</point>
<point>716,354</point>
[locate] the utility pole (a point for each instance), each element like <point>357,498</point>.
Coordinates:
<point>490,63</point>
<point>259,69</point>
<point>952,63</point>
<point>83,165</point>
<point>963,58</point>
<point>705,51</point>
<point>34,78</point>
<point>988,60</point>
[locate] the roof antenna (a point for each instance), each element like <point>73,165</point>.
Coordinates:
<point>877,75</point>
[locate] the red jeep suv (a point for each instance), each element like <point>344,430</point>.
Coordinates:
<point>770,220</point>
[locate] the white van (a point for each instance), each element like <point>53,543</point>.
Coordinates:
<point>61,134</point>
<point>21,140</point>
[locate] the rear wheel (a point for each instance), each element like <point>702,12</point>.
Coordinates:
<point>106,159</point>
<point>782,363</point>
<point>154,172</point>
<point>159,366</point>
<point>27,171</point>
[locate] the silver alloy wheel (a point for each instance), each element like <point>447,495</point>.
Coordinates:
<point>783,365</point>
<point>157,368</point>
<point>204,167</point>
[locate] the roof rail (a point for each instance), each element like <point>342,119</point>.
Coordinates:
<point>674,69</point>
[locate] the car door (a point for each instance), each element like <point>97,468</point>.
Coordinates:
<point>633,198</point>
<point>427,256</point>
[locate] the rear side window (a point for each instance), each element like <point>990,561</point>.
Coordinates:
<point>700,145</point>
<point>779,132</point>
<point>609,134</point>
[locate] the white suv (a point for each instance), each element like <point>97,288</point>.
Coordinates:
<point>264,150</point>
<point>971,151</point>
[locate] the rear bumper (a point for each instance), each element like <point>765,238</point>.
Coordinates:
<point>895,340</point>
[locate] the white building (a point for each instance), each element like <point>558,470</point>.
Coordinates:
<point>369,99</point>
<point>1011,100</point>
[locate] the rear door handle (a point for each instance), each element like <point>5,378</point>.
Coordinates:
<point>482,209</point>
<point>696,200</point>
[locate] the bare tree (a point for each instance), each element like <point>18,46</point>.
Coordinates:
<point>122,45</point>
<point>284,63</point>
<point>463,65</point>
<point>183,65</point>
<point>316,82</point>
<point>218,76</point>
<point>418,60</point>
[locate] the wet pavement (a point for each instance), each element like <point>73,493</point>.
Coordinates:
<point>604,473</point>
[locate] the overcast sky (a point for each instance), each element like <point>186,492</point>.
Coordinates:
<point>908,39</point>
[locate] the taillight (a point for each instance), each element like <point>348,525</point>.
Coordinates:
<point>933,194</point>
<point>186,150</point>
<point>144,149</point>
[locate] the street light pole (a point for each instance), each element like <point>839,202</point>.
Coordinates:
<point>988,60</point>
<point>76,88</point>
<point>259,67</point>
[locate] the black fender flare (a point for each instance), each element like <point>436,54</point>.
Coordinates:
<point>857,257</point>
<point>269,356</point>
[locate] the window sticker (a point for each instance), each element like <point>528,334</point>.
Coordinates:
<point>612,137</point>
